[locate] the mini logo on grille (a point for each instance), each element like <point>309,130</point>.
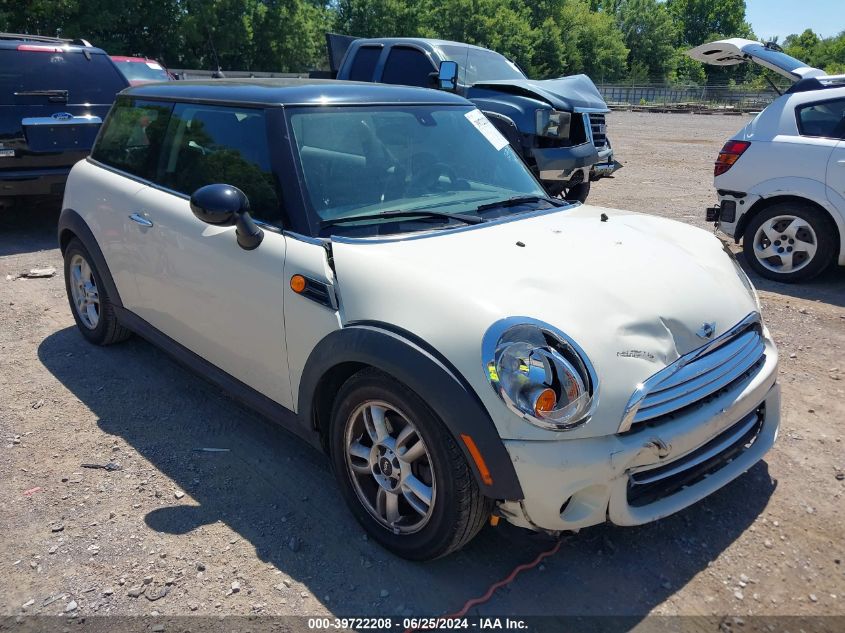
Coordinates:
<point>62,116</point>
<point>707,330</point>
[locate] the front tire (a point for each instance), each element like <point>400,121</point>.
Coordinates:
<point>575,193</point>
<point>400,471</point>
<point>790,242</point>
<point>90,303</point>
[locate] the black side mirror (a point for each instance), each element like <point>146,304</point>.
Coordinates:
<point>448,76</point>
<point>225,205</point>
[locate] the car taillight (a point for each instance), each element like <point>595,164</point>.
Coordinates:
<point>729,155</point>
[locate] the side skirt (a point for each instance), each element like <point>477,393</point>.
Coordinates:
<point>238,390</point>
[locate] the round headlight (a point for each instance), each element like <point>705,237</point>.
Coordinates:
<point>539,373</point>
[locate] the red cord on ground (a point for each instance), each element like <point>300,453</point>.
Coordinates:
<point>474,602</point>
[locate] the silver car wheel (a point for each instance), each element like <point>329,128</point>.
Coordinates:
<point>785,244</point>
<point>390,467</point>
<point>83,291</point>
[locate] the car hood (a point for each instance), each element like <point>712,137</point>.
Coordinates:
<point>566,93</point>
<point>737,51</point>
<point>632,291</point>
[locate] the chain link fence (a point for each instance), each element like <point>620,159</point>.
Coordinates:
<point>725,98</point>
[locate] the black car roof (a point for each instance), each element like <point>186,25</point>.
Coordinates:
<point>292,92</point>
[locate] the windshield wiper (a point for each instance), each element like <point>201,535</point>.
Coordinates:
<point>466,219</point>
<point>52,95</point>
<point>513,202</point>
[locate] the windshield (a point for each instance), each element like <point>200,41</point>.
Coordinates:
<point>478,65</point>
<point>359,161</point>
<point>141,72</point>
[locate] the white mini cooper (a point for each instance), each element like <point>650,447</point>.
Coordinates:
<point>377,270</point>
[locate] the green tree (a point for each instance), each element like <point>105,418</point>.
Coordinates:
<point>378,18</point>
<point>650,34</point>
<point>705,20</point>
<point>827,54</point>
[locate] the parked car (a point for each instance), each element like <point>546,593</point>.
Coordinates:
<point>53,95</point>
<point>375,268</point>
<point>781,178</point>
<point>138,70</point>
<point>557,126</point>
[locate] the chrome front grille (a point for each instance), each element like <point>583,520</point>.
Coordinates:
<point>725,362</point>
<point>598,127</point>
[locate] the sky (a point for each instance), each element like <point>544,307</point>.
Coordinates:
<point>784,17</point>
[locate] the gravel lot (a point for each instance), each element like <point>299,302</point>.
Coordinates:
<point>261,529</point>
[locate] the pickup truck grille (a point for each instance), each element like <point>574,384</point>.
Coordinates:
<point>598,126</point>
<point>699,376</point>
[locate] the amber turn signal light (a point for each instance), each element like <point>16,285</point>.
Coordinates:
<point>545,402</point>
<point>298,283</point>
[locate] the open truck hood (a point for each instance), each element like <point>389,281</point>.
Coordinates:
<point>565,93</point>
<point>632,291</point>
<point>737,51</point>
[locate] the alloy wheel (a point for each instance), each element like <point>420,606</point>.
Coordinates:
<point>785,244</point>
<point>390,467</point>
<point>83,290</point>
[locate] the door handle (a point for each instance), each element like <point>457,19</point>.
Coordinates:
<point>140,219</point>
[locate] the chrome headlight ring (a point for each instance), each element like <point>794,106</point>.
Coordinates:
<point>540,373</point>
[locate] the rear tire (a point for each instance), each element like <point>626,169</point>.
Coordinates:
<point>89,300</point>
<point>790,241</point>
<point>400,471</point>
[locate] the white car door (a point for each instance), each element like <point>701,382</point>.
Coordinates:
<point>196,284</point>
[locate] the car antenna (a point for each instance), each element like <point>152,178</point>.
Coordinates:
<point>219,73</point>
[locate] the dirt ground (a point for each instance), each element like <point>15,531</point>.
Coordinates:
<point>260,528</point>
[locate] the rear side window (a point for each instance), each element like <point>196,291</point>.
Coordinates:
<point>408,67</point>
<point>132,136</point>
<point>207,144</point>
<point>825,119</point>
<point>95,80</point>
<point>364,64</point>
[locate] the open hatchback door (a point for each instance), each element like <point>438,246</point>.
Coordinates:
<point>737,50</point>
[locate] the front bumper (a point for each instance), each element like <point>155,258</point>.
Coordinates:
<point>573,484</point>
<point>558,163</point>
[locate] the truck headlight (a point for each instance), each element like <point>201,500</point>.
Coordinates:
<point>553,123</point>
<point>539,373</point>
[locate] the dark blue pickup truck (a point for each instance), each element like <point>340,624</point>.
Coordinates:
<point>557,125</point>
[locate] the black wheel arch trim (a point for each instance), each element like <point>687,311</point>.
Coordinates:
<point>71,222</point>
<point>419,367</point>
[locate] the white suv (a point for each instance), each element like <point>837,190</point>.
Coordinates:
<point>375,268</point>
<point>781,179</point>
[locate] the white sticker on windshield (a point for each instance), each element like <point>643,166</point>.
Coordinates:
<point>483,125</point>
<point>154,65</point>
